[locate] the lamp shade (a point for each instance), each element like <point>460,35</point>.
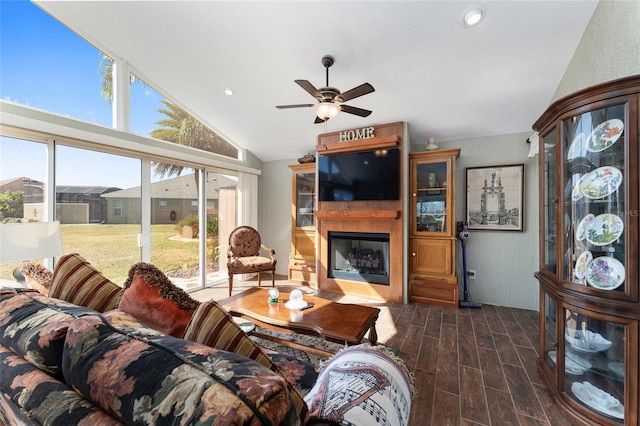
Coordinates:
<point>31,240</point>
<point>327,110</point>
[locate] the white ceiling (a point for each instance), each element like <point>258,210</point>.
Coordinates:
<point>445,80</point>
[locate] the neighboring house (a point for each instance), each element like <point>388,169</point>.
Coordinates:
<point>81,204</point>
<point>171,200</point>
<point>32,194</point>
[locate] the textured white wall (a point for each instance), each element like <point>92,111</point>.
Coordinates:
<point>609,49</point>
<point>275,209</point>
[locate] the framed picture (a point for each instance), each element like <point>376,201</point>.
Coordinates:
<point>495,197</point>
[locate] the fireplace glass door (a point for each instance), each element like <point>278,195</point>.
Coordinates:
<point>359,256</point>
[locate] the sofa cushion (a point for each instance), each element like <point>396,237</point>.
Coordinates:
<point>211,325</point>
<point>31,396</point>
<point>76,281</point>
<point>361,385</point>
<point>34,326</point>
<point>142,376</point>
<point>153,299</point>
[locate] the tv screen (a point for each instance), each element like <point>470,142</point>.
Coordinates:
<point>359,176</point>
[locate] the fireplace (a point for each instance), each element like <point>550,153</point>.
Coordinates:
<point>359,256</point>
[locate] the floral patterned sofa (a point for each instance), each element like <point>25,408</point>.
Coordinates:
<point>83,355</point>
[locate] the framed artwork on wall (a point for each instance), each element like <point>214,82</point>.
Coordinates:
<point>495,198</point>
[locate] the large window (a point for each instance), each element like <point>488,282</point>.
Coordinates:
<point>154,115</point>
<point>99,209</point>
<point>46,66</point>
<point>110,208</point>
<point>23,186</point>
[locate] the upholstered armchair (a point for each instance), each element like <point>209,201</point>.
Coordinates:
<point>243,256</point>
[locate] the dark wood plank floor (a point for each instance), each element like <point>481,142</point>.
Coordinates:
<point>471,366</point>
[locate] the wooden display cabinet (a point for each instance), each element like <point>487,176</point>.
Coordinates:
<point>589,299</point>
<point>432,234</point>
<point>302,265</point>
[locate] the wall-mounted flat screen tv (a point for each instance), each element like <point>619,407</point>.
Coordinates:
<point>359,176</point>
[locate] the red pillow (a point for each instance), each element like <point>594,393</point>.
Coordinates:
<point>151,298</point>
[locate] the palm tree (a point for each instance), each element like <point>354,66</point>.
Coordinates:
<point>182,128</point>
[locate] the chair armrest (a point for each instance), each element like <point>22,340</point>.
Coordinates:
<point>271,252</point>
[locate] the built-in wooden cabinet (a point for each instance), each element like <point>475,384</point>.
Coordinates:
<point>432,231</point>
<point>302,265</point>
<point>589,224</point>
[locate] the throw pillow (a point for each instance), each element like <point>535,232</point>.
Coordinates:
<point>141,376</point>
<point>211,325</point>
<point>150,297</point>
<point>37,276</point>
<point>77,282</point>
<point>361,385</point>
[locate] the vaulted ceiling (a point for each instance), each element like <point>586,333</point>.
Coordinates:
<point>427,68</point>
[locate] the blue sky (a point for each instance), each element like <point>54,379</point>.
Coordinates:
<point>46,66</point>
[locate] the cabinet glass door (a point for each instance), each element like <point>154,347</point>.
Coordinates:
<point>549,142</point>
<point>594,367</point>
<point>431,198</point>
<point>550,331</point>
<point>305,199</point>
<point>594,199</point>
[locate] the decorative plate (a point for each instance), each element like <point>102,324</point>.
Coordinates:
<point>580,269</point>
<point>581,231</point>
<point>605,135</point>
<point>601,182</point>
<point>605,273</point>
<point>578,147</point>
<point>586,341</point>
<point>604,229</point>
<point>573,364</point>
<point>598,399</point>
<point>576,193</point>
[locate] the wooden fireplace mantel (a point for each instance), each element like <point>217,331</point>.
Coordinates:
<point>358,214</point>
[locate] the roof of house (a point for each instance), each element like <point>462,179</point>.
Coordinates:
<point>181,187</point>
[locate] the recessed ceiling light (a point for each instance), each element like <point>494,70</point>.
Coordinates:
<point>473,15</point>
<point>228,91</point>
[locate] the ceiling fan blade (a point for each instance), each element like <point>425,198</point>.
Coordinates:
<point>319,120</point>
<point>355,111</point>
<point>310,88</point>
<point>294,106</point>
<point>361,90</point>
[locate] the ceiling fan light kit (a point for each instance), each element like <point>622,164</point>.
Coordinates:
<point>330,99</point>
<point>326,110</point>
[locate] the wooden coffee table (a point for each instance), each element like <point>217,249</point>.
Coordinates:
<point>339,322</point>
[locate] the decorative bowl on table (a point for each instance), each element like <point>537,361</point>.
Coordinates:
<point>586,341</point>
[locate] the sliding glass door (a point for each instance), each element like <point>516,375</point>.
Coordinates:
<point>98,203</point>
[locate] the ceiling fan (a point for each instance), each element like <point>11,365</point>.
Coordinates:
<point>330,100</point>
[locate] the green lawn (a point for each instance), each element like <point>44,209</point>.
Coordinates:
<point>112,249</point>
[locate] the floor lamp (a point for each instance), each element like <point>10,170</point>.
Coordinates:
<point>21,242</point>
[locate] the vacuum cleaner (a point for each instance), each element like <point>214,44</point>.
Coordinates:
<point>464,236</point>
